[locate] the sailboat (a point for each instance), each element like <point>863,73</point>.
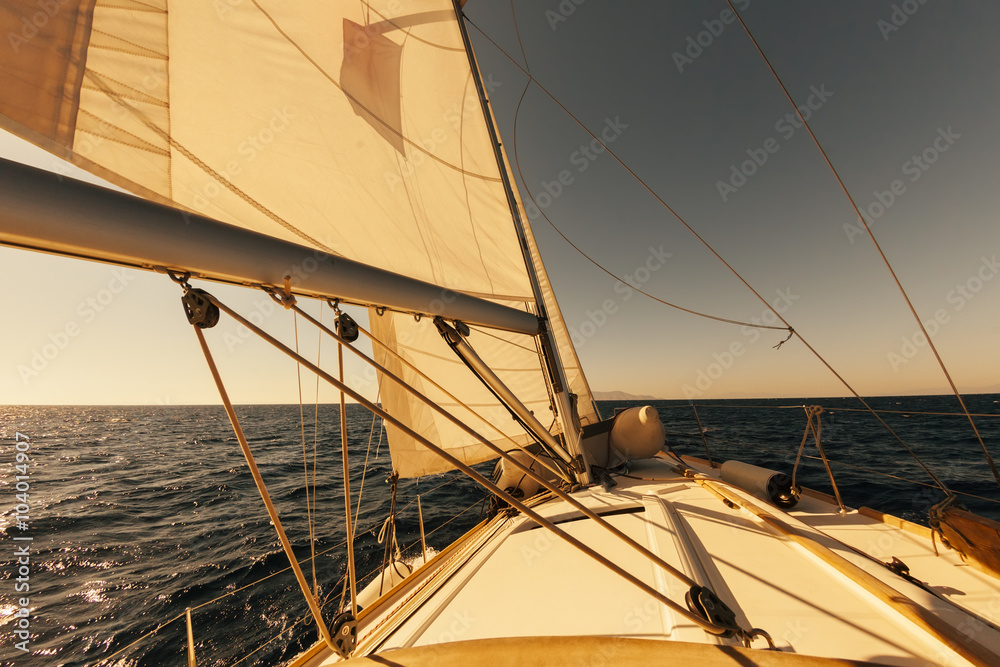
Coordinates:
<point>367,169</point>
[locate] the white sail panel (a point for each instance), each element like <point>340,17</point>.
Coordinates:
<point>512,357</point>
<point>354,128</point>
<point>351,127</point>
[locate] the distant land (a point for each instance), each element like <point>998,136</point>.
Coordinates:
<point>621,396</point>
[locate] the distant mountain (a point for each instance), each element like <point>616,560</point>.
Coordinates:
<point>621,396</point>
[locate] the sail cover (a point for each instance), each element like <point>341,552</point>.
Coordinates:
<point>354,128</point>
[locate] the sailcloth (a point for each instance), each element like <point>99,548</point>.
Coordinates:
<point>353,128</point>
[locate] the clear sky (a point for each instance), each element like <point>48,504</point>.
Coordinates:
<point>904,97</point>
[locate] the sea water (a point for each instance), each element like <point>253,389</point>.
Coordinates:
<point>135,513</point>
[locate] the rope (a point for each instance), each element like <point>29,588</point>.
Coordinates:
<point>282,571</point>
<point>145,636</point>
<point>814,425</point>
<point>262,488</point>
<point>466,510</point>
<point>639,180</point>
<point>381,429</point>
<point>878,247</point>
<point>541,210</point>
<point>401,359</point>
<point>387,535</point>
<point>412,390</point>
<point>312,508</point>
<point>349,525</point>
<point>364,471</point>
<point>701,431</point>
<point>838,409</point>
<point>271,640</point>
<point>802,446</point>
<point>857,467</point>
<point>708,626</point>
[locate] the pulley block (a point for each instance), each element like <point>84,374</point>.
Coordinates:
<point>200,312</point>
<point>347,328</point>
<point>345,634</point>
<point>707,604</point>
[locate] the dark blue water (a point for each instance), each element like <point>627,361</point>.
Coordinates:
<point>140,512</point>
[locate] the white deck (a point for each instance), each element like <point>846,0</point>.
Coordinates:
<point>515,579</point>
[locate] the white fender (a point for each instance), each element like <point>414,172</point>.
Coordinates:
<point>638,432</point>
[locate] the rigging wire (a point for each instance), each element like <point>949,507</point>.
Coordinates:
<point>486,332</point>
<point>364,470</point>
<point>583,253</point>
<point>708,626</point>
<point>349,527</point>
<point>878,247</point>
<point>641,182</point>
<point>832,410</point>
<point>433,383</point>
<point>381,430</point>
<point>305,462</point>
<point>262,488</point>
<point>285,569</point>
<point>312,511</point>
<point>787,327</point>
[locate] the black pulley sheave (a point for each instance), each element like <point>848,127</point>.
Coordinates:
<point>347,328</point>
<point>199,310</point>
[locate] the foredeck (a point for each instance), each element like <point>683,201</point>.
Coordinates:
<point>515,579</point>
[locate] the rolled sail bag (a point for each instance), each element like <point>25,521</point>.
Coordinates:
<point>770,485</point>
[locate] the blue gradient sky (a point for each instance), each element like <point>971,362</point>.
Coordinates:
<point>925,87</point>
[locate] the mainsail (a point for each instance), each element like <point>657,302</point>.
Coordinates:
<point>352,128</point>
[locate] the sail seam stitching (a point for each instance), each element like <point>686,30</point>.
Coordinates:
<point>151,148</point>
<point>152,101</point>
<point>137,46</point>
<point>115,49</point>
<point>142,8</point>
